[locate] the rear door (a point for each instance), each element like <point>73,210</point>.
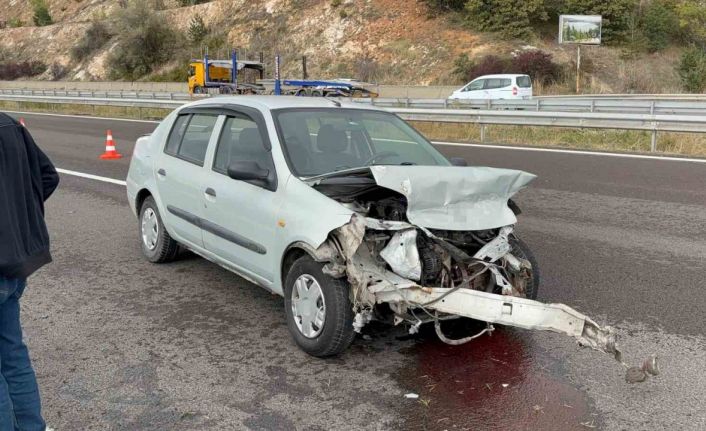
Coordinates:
<point>240,217</point>
<point>180,175</point>
<point>524,86</point>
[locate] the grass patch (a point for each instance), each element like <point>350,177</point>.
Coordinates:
<point>690,144</point>
<point>97,111</point>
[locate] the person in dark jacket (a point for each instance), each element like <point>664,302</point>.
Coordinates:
<point>27,179</point>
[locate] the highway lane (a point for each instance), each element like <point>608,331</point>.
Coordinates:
<point>621,239</point>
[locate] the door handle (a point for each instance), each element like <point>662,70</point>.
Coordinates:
<point>211,192</point>
<point>162,172</point>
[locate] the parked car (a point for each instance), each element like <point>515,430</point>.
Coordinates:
<point>496,87</point>
<point>347,212</point>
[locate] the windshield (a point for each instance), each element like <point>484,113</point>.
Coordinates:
<point>320,141</point>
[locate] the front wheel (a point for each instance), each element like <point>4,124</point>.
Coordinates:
<point>521,250</point>
<point>318,308</point>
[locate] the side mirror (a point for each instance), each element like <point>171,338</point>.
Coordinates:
<point>247,170</point>
<point>458,161</point>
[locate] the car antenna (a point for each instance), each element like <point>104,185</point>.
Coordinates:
<point>335,102</point>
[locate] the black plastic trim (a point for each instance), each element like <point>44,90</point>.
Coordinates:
<point>217,230</point>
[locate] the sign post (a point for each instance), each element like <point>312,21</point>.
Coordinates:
<point>278,88</point>
<point>580,30</point>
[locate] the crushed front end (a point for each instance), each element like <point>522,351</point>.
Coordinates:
<point>425,245</point>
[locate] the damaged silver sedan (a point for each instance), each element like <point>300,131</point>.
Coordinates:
<point>347,212</point>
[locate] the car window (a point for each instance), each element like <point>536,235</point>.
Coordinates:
<point>195,141</point>
<point>320,141</point>
<point>475,85</point>
<point>176,134</point>
<point>241,141</point>
<point>524,81</point>
<point>497,83</point>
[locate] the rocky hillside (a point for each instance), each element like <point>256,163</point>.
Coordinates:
<point>388,41</point>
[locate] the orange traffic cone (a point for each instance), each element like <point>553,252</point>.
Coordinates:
<point>22,122</point>
<point>110,152</point>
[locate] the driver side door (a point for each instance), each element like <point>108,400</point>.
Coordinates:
<point>240,216</point>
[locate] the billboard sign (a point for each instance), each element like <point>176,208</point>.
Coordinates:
<point>580,29</point>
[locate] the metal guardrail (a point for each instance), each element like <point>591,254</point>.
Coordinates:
<point>621,104</point>
<point>652,122</point>
<point>597,105</point>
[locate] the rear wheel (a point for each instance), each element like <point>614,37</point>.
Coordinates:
<point>198,90</point>
<point>157,245</point>
<point>318,308</point>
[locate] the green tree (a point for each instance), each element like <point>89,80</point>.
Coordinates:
<point>615,13</point>
<point>197,29</point>
<point>510,18</point>
<point>692,70</point>
<point>41,16</point>
<point>659,24</point>
<point>692,20</point>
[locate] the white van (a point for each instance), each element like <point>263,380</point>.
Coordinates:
<point>496,87</point>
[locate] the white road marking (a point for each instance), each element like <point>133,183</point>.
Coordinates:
<point>129,120</point>
<point>574,152</point>
<point>91,177</point>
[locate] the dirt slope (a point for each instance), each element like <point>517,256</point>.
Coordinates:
<point>396,40</point>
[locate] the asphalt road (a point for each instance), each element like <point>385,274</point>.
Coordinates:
<point>125,345</point>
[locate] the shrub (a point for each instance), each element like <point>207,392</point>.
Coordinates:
<point>692,20</point>
<point>692,70</point>
<point>41,16</point>
<point>197,29</point>
<point>510,18</point>
<point>15,22</point>
<point>146,42</point>
<point>468,70</point>
<point>366,69</point>
<point>489,65</point>
<point>538,65</point>
<point>436,6</point>
<point>191,2</point>
<point>10,70</point>
<point>96,35</point>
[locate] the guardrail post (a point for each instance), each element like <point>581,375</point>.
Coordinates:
<point>538,103</point>
<point>593,105</point>
<point>653,142</point>
<point>652,108</point>
<point>482,132</point>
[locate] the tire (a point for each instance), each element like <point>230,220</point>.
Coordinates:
<point>316,93</point>
<point>159,247</point>
<point>336,333</point>
<point>521,250</point>
<point>198,90</point>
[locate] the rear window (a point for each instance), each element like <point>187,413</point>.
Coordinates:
<point>524,81</point>
<point>189,137</point>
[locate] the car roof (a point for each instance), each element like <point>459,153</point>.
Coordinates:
<point>267,103</point>
<point>502,75</point>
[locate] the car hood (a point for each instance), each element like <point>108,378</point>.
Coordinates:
<point>454,197</point>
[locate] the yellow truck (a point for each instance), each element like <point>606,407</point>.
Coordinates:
<point>227,76</point>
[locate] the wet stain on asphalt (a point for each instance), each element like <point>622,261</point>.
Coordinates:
<point>496,382</point>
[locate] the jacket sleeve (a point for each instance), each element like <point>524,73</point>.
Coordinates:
<point>50,178</point>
